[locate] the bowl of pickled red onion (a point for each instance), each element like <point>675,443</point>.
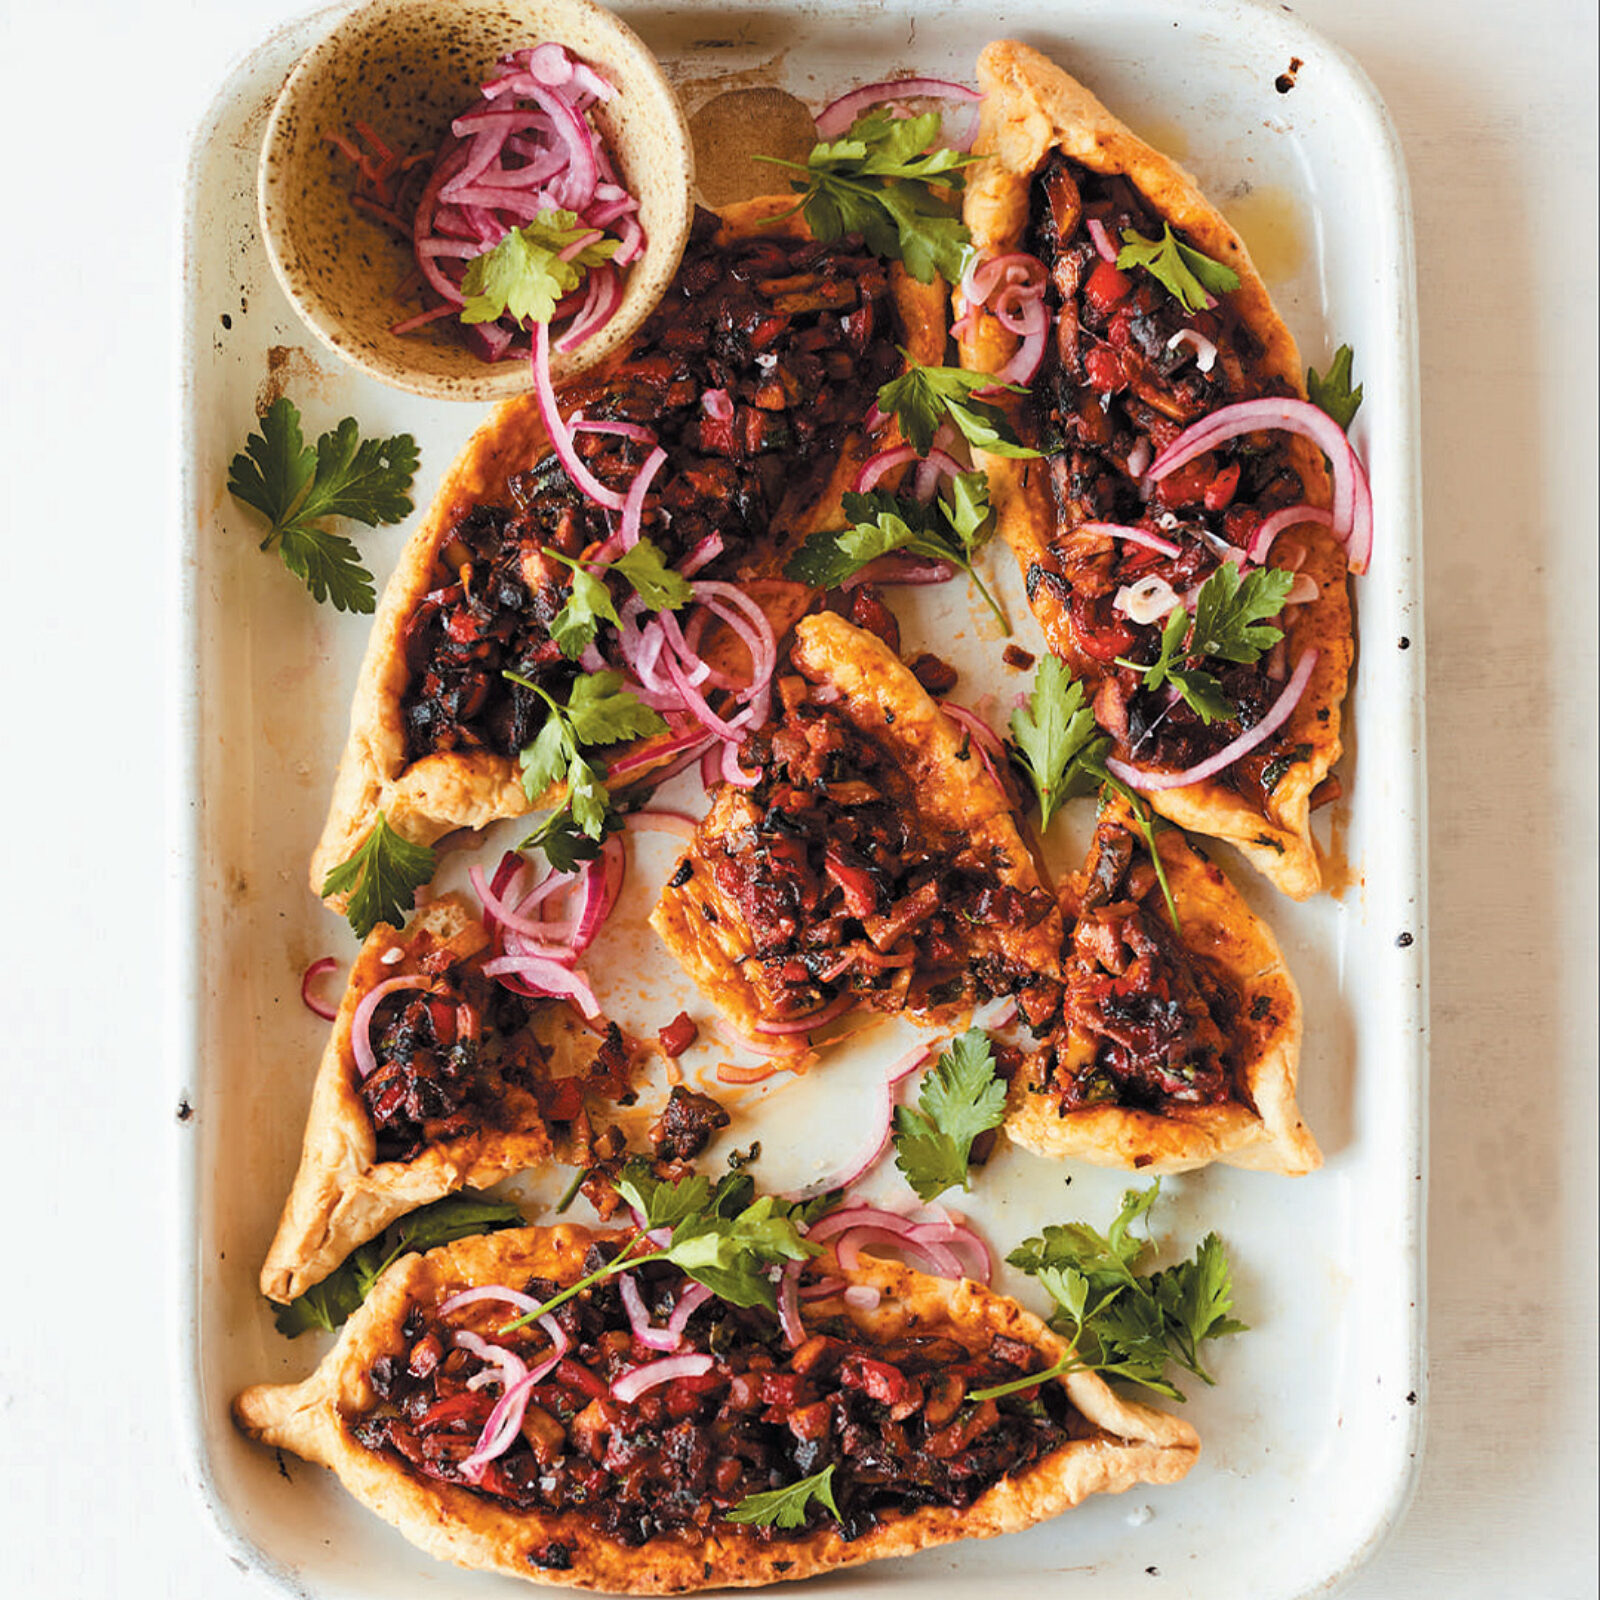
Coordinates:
<point>419,134</point>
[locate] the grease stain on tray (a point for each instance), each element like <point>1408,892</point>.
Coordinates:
<point>731,130</point>
<point>290,367</point>
<point>1271,221</point>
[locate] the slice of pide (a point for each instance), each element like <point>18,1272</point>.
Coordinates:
<point>616,1482</point>
<point>875,862</point>
<point>754,377</point>
<point>435,1078</point>
<point>1175,1047</point>
<point>1126,370</point>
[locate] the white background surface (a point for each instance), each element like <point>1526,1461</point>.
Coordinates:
<point>1496,110</point>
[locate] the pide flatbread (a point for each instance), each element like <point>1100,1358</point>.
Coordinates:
<point>496,1092</point>
<point>1176,1047</point>
<point>434,736</point>
<point>1109,393</point>
<point>876,862</point>
<point>1062,1441</point>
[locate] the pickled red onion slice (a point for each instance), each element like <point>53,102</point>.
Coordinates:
<point>641,1380</point>
<point>1148,780</point>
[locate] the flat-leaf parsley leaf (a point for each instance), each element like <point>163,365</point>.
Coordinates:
<point>296,487</point>
<point>525,275</point>
<point>1333,393</point>
<point>787,1507</point>
<point>381,877</point>
<point>923,397</point>
<point>1192,278</point>
<point>959,1099</point>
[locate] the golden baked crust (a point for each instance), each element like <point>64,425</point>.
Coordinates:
<point>443,791</point>
<point>955,797</point>
<point>1123,1443</point>
<point>1261,1128</point>
<point>1031,107</point>
<point>342,1194</point>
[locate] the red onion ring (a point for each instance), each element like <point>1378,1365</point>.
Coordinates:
<point>836,118</point>
<point>885,461</point>
<point>543,976</point>
<point>1146,780</point>
<point>1119,530</point>
<point>1103,246</point>
<point>560,440</point>
<point>361,1023</point>
<point>990,749</point>
<point>834,1008</point>
<point>647,1334</point>
<point>900,568</point>
<point>1352,495</point>
<point>661,822</point>
<point>308,979</point>
<point>693,1297</point>
<point>641,1380</point>
<point>794,1330</point>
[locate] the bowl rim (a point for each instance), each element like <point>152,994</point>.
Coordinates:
<point>670,146</point>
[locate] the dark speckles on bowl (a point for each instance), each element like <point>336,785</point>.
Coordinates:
<point>406,67</point>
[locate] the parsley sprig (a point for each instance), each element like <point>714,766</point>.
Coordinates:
<point>589,601</point>
<point>891,181</point>
<point>1228,625</point>
<point>716,1237</point>
<point>1188,275</point>
<point>922,398</point>
<point>1063,750</point>
<point>524,274</point>
<point>381,877</point>
<point>952,527</point>
<point>297,488</point>
<point>959,1099</point>
<point>328,1304</point>
<point>787,1507</point>
<point>1333,392</point>
<point>599,711</point>
<point>1123,1323</point>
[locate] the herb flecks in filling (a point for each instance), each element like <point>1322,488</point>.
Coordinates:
<point>844,887</point>
<point>796,337</point>
<point>1117,386</point>
<point>1158,1013</point>
<point>461,1057</point>
<point>893,1420</point>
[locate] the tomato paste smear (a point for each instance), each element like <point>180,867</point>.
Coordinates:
<point>894,1419</point>
<point>842,886</point>
<point>789,339</point>
<point>1161,1012</point>
<point>1112,393</point>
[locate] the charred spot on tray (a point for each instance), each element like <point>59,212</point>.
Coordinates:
<point>185,1110</point>
<point>1411,1399</point>
<point>1404,941</point>
<point>1405,643</point>
<point>283,1467</point>
<point>1154,1572</point>
<point>1285,80</point>
<point>227,321</point>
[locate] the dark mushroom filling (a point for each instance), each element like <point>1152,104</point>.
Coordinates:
<point>844,889</point>
<point>1112,393</point>
<point>1161,1013</point>
<point>894,1419</point>
<point>763,355</point>
<point>463,1058</point>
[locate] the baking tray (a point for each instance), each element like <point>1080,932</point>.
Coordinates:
<point>1312,1435</point>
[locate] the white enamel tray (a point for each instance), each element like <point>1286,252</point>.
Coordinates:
<point>1311,1437</point>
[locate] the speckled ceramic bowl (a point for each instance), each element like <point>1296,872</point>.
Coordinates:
<point>406,68</point>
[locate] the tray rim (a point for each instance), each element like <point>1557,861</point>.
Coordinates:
<point>183,991</point>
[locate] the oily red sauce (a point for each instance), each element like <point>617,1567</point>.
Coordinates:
<point>446,1060</point>
<point>1160,1011</point>
<point>841,886</point>
<point>797,335</point>
<point>893,1419</point>
<point>1113,389</point>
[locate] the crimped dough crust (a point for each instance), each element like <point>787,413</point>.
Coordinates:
<point>954,793</point>
<point>1124,1444</point>
<point>426,799</point>
<point>342,1194</point>
<point>1267,1134</point>
<point>1030,107</point>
